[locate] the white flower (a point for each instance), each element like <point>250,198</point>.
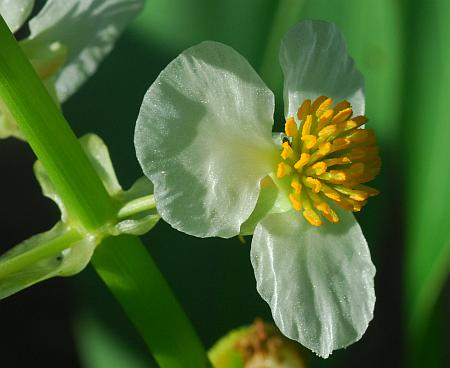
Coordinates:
<point>67,40</point>
<point>203,137</point>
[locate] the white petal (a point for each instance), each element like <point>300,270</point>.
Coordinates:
<point>88,28</point>
<point>317,281</point>
<point>203,137</point>
<point>314,59</point>
<point>15,12</point>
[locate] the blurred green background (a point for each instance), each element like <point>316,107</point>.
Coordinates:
<point>403,50</point>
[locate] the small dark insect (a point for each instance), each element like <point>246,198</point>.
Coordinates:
<point>285,138</point>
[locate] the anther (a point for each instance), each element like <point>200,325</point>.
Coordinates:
<point>306,128</point>
<point>317,102</point>
<point>325,105</point>
<point>295,200</point>
<point>296,185</point>
<point>287,151</point>
<point>342,115</point>
<point>304,159</point>
<point>283,169</point>
<point>290,127</point>
<point>309,141</point>
<point>304,109</point>
<point>312,183</point>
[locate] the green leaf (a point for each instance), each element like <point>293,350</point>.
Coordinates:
<point>428,178</point>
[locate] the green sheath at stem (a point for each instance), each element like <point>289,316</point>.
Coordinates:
<point>52,247</point>
<point>122,262</point>
<point>132,276</point>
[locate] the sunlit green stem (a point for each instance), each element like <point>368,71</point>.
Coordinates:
<point>46,250</point>
<point>131,274</point>
<point>51,138</point>
<point>137,205</point>
<point>287,13</point>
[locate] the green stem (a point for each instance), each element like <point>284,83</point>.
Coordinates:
<point>286,15</point>
<point>137,205</point>
<point>51,137</point>
<point>133,277</point>
<point>122,262</point>
<point>35,254</point>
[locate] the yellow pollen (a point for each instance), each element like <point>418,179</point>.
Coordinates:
<point>319,167</point>
<point>312,183</point>
<point>341,106</point>
<point>304,158</point>
<point>323,107</point>
<point>328,159</point>
<point>310,141</point>
<point>317,102</point>
<point>304,109</point>
<point>295,200</point>
<point>287,151</point>
<point>359,120</point>
<point>326,117</point>
<point>283,170</point>
<point>307,125</point>
<point>290,127</point>
<point>342,116</point>
<point>312,217</point>
<point>296,185</point>
<point>337,161</point>
<point>324,148</point>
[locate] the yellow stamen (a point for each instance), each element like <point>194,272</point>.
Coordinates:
<point>309,140</point>
<point>307,125</point>
<point>341,106</point>
<point>296,185</point>
<point>295,200</point>
<point>304,158</point>
<point>317,169</point>
<point>342,115</point>
<point>334,176</point>
<point>312,183</point>
<point>359,120</point>
<point>357,195</point>
<point>283,169</point>
<point>325,118</point>
<point>325,105</point>
<point>287,151</point>
<point>317,102</point>
<point>337,161</point>
<point>327,160</point>
<point>290,127</point>
<point>304,109</point>
<point>369,190</point>
<point>330,193</point>
<point>324,208</point>
<point>312,217</point>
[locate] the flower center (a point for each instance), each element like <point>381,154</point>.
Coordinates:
<point>327,159</point>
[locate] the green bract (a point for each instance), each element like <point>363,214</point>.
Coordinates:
<point>67,41</point>
<point>66,249</point>
<point>203,137</point>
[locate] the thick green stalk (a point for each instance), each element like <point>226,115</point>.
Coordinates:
<point>122,262</point>
<point>50,137</point>
<point>132,276</point>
